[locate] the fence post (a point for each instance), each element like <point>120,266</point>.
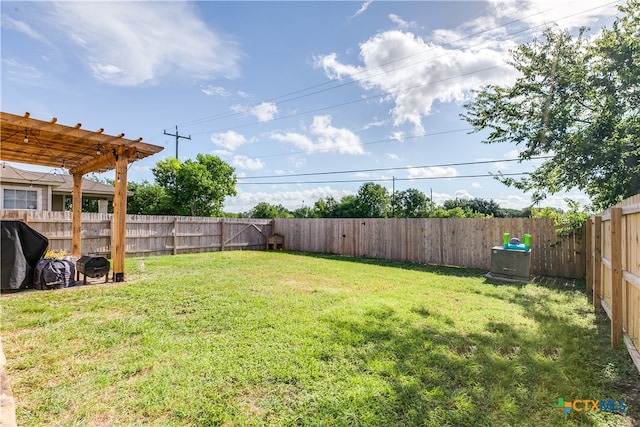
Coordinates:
<point>588,251</point>
<point>223,234</point>
<point>175,235</point>
<point>597,261</point>
<point>616,276</point>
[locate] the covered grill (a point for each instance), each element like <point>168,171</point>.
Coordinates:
<point>92,266</point>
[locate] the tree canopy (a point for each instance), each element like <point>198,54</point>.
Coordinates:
<point>194,188</point>
<point>578,100</point>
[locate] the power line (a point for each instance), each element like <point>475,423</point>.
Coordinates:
<point>385,179</point>
<point>478,162</point>
<point>223,115</point>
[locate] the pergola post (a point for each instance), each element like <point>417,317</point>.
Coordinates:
<point>119,238</point>
<point>76,216</point>
<point>38,142</point>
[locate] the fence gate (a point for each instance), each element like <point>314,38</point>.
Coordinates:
<point>246,235</point>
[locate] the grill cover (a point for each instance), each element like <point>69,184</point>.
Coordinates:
<point>22,248</point>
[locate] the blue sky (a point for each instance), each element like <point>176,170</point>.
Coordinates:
<point>286,88</point>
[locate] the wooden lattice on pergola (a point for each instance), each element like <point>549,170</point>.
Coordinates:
<point>37,142</point>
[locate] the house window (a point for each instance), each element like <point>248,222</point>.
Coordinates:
<point>20,199</point>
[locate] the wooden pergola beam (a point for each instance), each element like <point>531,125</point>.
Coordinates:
<point>76,149</point>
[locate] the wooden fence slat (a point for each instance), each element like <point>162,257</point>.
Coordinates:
<point>589,256</point>
<point>597,259</point>
<point>617,302</point>
<point>616,271</point>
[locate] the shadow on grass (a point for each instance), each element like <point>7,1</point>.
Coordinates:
<point>405,265</point>
<point>558,284</point>
<point>426,372</point>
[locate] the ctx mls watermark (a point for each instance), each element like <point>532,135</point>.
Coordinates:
<point>590,405</point>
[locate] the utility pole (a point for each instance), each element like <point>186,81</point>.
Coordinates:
<point>393,197</point>
<point>178,136</point>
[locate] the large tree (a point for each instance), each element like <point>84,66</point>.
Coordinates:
<point>373,201</point>
<point>411,203</point>
<point>147,199</point>
<point>576,99</point>
<point>267,211</point>
<point>477,205</point>
<point>195,188</point>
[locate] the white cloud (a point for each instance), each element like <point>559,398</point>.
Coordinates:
<point>375,123</point>
<point>221,153</point>
<point>135,43</point>
<point>244,162</point>
<point>473,33</point>
<point>463,194</point>
<point>106,71</point>
<point>21,72</point>
<point>363,8</point>
<point>264,112</point>
<point>415,73</point>
<point>398,136</point>
<point>297,161</point>
<point>245,201</point>
<point>432,172</point>
<point>476,185</point>
<point>392,156</point>
<point>440,198</point>
<point>568,14</point>
<point>558,200</point>
<point>323,138</point>
<point>401,23</point>
<point>529,17</point>
<point>500,166</point>
<point>521,201</point>
<point>230,140</point>
<point>211,90</point>
<point>513,201</point>
<point>21,26</point>
<point>512,154</point>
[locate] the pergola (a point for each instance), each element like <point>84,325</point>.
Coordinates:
<point>37,142</point>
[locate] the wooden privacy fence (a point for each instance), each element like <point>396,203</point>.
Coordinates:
<point>148,235</point>
<point>443,241</point>
<point>613,270</point>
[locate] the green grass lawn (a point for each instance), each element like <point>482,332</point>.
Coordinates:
<point>273,338</point>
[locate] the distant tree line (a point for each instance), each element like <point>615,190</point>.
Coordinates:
<point>374,201</point>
